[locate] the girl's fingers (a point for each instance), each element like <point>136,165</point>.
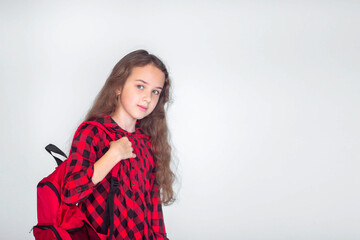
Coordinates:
<point>127,148</point>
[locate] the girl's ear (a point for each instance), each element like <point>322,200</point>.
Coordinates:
<point>118,91</point>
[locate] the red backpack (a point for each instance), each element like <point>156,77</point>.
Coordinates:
<point>56,219</point>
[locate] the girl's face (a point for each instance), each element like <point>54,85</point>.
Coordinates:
<point>140,93</point>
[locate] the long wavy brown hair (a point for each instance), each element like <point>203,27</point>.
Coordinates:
<point>154,125</point>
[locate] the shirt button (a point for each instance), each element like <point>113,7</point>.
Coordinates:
<point>133,167</point>
<point>133,184</point>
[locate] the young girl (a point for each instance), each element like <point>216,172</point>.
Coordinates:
<point>131,108</point>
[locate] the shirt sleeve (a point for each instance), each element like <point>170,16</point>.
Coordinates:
<point>78,183</point>
<point>157,220</point>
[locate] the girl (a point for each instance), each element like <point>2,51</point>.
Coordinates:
<point>131,108</point>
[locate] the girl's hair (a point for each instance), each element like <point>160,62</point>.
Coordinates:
<point>154,125</point>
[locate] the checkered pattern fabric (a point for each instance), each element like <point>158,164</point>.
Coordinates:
<point>137,207</point>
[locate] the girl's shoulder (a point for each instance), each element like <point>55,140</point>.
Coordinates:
<point>96,128</point>
<point>91,135</point>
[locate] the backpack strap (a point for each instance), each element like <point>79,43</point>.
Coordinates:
<point>109,210</point>
<point>51,148</point>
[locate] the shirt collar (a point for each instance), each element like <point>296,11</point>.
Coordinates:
<point>110,124</point>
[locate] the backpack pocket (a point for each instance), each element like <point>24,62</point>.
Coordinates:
<point>84,232</point>
<point>49,232</point>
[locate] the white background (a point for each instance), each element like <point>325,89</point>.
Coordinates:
<point>264,120</point>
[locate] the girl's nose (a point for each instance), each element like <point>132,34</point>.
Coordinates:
<point>147,97</point>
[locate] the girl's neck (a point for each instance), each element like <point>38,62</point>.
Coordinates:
<point>126,124</point>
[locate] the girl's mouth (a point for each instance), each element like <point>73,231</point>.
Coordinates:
<point>142,108</point>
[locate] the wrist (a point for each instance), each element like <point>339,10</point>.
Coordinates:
<point>113,155</point>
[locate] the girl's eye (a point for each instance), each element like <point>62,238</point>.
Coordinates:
<point>140,86</point>
<point>156,92</point>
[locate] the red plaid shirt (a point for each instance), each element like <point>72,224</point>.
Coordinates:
<point>137,207</point>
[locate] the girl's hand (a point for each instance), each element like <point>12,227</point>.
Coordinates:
<point>119,150</point>
<point>122,148</point>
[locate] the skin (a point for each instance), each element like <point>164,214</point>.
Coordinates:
<point>137,99</point>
